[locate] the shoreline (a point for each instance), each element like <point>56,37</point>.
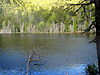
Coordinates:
<point>79,32</point>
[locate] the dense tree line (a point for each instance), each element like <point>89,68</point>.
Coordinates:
<point>28,17</point>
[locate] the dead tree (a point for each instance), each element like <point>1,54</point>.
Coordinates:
<point>32,56</point>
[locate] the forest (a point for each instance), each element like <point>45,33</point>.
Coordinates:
<point>29,49</point>
<point>54,16</point>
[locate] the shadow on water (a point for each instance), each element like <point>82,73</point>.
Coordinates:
<point>61,54</point>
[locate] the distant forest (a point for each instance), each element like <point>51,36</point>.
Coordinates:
<point>52,17</point>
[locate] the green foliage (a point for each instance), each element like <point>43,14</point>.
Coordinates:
<point>75,26</point>
<point>92,70</point>
<point>41,25</point>
<point>27,15</point>
<point>66,28</point>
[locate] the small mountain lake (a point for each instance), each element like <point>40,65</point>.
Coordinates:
<point>60,54</point>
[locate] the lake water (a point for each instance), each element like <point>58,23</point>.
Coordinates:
<point>60,54</point>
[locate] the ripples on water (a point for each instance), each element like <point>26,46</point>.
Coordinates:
<point>61,54</point>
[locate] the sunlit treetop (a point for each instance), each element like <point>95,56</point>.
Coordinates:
<point>72,1</point>
<point>50,3</point>
<point>45,4</point>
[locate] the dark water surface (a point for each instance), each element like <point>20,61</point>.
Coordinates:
<point>61,54</point>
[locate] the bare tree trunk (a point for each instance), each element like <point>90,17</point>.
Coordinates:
<point>97,18</point>
<point>22,27</point>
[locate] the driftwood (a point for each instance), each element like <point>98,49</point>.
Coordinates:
<point>33,56</point>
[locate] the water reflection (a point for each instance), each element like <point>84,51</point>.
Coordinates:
<point>60,54</point>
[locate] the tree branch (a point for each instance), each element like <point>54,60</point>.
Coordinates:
<point>70,7</point>
<point>92,25</point>
<point>91,2</point>
<point>19,2</point>
<point>94,40</point>
<point>78,9</point>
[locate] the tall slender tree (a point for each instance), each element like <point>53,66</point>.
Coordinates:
<point>97,19</point>
<point>96,23</point>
